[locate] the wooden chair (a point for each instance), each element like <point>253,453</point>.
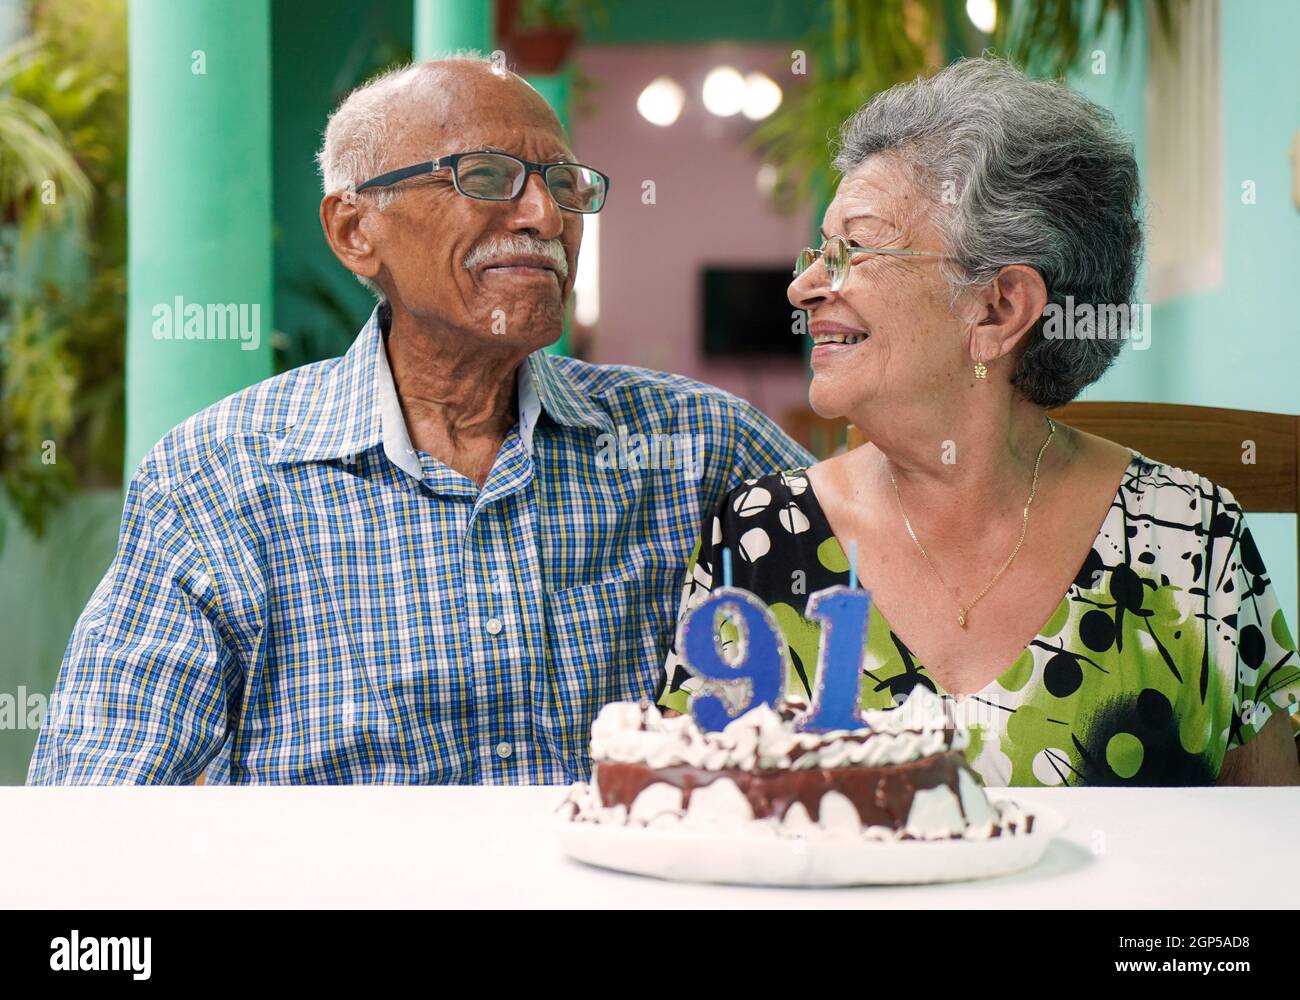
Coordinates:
<point>1253,454</point>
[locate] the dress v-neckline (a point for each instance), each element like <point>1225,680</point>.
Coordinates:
<point>1136,458</point>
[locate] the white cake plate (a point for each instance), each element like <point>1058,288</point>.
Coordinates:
<point>820,861</point>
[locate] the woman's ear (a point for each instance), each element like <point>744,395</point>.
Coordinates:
<point>1009,306</point>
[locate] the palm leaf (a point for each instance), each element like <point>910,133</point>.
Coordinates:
<point>32,149</point>
<point>861,48</point>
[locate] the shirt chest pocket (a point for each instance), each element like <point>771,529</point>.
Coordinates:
<point>607,642</point>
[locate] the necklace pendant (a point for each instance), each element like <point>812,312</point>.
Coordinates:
<point>961,617</point>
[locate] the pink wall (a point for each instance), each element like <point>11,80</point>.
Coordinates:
<point>708,210</point>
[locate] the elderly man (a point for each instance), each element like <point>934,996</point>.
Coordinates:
<point>435,558</point>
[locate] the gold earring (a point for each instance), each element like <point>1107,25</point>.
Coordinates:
<point>981,370</point>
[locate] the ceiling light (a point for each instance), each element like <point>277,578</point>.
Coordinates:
<point>983,14</point>
<point>762,96</point>
<point>661,101</point>
<point>724,91</point>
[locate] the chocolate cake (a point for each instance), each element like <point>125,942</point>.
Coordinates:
<point>902,777</point>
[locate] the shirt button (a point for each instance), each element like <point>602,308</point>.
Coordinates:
<point>494,626</point>
<point>504,750</point>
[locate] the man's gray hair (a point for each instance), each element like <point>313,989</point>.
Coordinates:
<point>1019,171</point>
<point>356,136</point>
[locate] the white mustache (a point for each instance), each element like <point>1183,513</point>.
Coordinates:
<point>496,247</point>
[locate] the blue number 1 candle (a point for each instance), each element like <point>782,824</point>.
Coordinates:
<point>843,613</point>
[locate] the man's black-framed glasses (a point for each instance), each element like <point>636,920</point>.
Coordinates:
<point>492,176</point>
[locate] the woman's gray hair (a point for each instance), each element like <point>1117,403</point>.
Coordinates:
<point>1020,171</point>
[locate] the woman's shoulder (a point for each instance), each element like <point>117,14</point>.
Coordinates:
<point>772,522</point>
<point>1179,527</point>
<point>1147,482</point>
<point>767,494</point>
<point>1164,492</point>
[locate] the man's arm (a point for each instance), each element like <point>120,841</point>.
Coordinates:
<point>762,447</point>
<point>141,696</point>
<point>750,445</point>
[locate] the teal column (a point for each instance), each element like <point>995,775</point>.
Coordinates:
<point>199,210</point>
<point>444,26</point>
<point>13,22</point>
<point>556,88</point>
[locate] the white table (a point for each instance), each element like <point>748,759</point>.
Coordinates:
<point>493,847</point>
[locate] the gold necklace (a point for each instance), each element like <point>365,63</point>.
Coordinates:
<point>1024,526</point>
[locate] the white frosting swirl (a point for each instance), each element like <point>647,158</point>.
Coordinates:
<point>760,739</point>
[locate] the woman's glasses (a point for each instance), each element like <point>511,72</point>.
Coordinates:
<point>837,256</point>
<point>491,176</point>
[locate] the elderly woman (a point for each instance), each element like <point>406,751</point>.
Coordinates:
<point>1095,616</point>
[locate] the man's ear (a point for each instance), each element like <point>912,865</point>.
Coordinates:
<point>1008,309</point>
<point>343,218</point>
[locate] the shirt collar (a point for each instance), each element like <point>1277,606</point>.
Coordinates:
<point>561,399</point>
<point>356,406</point>
<point>341,418</point>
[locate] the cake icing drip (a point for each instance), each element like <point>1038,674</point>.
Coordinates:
<point>902,776</point>
<point>724,808</point>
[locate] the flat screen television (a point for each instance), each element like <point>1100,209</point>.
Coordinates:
<point>745,312</point>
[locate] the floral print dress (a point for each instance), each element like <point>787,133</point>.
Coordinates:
<point>1168,649</point>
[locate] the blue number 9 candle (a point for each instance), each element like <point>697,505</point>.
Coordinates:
<point>761,660</point>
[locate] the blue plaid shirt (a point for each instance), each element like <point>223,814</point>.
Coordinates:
<point>299,596</point>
